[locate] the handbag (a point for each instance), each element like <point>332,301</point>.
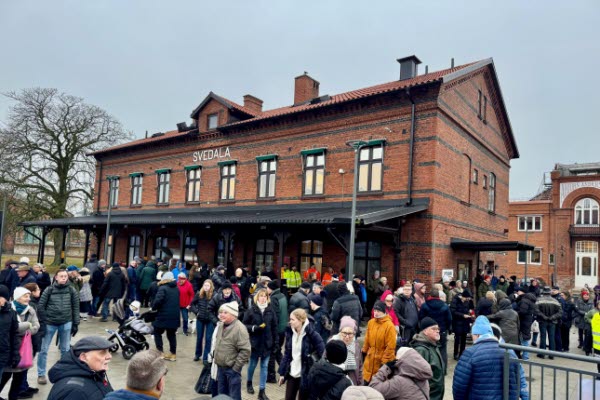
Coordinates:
<point>203,385</point>
<point>26,352</point>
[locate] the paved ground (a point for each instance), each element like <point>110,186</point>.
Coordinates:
<point>184,372</point>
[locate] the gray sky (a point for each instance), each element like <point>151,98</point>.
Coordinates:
<point>150,63</point>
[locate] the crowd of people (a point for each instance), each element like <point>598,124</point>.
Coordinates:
<point>299,330</point>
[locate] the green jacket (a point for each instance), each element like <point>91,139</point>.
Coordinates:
<point>147,275</point>
<point>60,304</point>
<point>431,353</point>
<point>482,290</point>
<point>502,286</point>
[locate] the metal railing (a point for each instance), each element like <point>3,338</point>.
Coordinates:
<point>571,374</point>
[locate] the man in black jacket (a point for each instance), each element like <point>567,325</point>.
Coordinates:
<point>113,288</point>
<point>347,304</point>
<point>526,310</point>
<point>9,325</point>
<point>300,298</point>
<point>548,312</point>
<point>81,373</point>
<point>407,312</point>
<point>60,305</point>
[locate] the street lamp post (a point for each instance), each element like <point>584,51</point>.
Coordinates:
<point>356,145</point>
<point>110,190</point>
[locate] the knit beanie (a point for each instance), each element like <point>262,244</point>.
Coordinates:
<point>19,292</point>
<point>482,326</point>
<point>168,276</point>
<point>347,322</point>
<point>379,306</point>
<point>427,322</point>
<point>4,292</point>
<point>336,352</point>
<point>273,285</point>
<point>316,298</point>
<point>231,308</point>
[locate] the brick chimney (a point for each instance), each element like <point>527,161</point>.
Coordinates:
<point>253,104</point>
<point>306,88</point>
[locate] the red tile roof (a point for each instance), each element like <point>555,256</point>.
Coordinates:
<point>546,194</point>
<point>335,99</point>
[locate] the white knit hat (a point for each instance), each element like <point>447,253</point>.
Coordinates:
<point>19,292</point>
<point>231,308</point>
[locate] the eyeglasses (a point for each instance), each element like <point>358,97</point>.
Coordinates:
<point>347,334</point>
<point>389,301</point>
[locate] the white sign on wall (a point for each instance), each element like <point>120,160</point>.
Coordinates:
<point>211,154</point>
<point>566,188</point>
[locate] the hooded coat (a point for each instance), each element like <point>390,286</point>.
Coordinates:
<point>347,304</point>
<point>508,321</point>
<point>419,297</point>
<point>299,300</point>
<point>147,275</point>
<point>388,310</point>
<point>409,380</point>
<point>431,353</point>
<point>166,303</point>
<point>379,345</point>
<point>406,311</point>
<point>72,379</point>
<point>327,381</point>
<point>28,316</point>
<point>438,310</point>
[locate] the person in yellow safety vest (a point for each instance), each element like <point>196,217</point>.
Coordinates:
<point>284,270</point>
<point>293,278</point>
<point>593,316</point>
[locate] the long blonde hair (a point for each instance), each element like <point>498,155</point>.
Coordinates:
<point>202,293</point>
<point>261,291</point>
<point>300,315</point>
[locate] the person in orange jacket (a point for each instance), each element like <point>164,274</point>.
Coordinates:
<point>327,276</point>
<point>311,270</point>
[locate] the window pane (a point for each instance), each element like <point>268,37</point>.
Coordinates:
<point>363,178</point>
<point>232,188</point>
<point>376,176</point>
<point>260,245</point>
<point>268,260</point>
<point>232,169</point>
<point>536,256</point>
<point>595,217</point>
<point>310,161</point>
<point>360,249</point>
<point>271,185</point>
<point>263,186</point>
<point>263,166</point>
<point>374,249</point>
<point>270,246</point>
<point>321,160</point>
<point>364,154</point>
<point>308,182</point>
<point>377,152</point>
<point>586,266</point>
<point>319,183</point>
<point>273,165</point>
<point>224,193</point>
<point>538,223</point>
<point>305,247</point>
<point>317,247</point>
<point>522,256</point>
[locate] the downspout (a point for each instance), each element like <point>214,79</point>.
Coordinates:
<point>99,189</point>
<point>411,148</point>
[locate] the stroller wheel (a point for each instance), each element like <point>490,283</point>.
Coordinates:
<point>145,345</point>
<point>128,351</point>
<point>114,348</point>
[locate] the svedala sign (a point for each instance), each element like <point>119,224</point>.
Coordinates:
<point>211,154</point>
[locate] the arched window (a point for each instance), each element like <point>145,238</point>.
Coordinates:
<point>586,212</point>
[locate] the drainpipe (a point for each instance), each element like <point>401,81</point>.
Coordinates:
<point>99,190</point>
<point>411,148</point>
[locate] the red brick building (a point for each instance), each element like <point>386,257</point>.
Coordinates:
<point>243,185</point>
<point>562,223</point>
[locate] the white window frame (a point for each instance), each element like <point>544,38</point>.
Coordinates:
<point>136,190</point>
<point>527,218</point>
<point>551,259</point>
<point>163,187</point>
<point>114,188</point>
<point>590,211</point>
<point>213,121</point>
<point>529,257</point>
<point>193,183</point>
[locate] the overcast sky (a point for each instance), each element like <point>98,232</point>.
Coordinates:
<point>150,63</point>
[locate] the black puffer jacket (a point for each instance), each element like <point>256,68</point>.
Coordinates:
<point>96,281</point>
<point>60,304</point>
<point>218,300</point>
<point>345,305</point>
<point>299,300</point>
<point>9,326</point>
<point>73,380</point>
<point>568,311</point>
<point>327,381</point>
<point>332,294</point>
<point>114,284</point>
<point>526,311</point>
<point>262,340</point>
<point>199,307</point>
<point>166,303</point>
<point>218,280</point>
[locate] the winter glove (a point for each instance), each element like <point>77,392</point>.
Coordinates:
<point>262,326</point>
<point>74,330</point>
<point>391,364</point>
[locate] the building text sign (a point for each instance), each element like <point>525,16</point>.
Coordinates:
<point>218,153</point>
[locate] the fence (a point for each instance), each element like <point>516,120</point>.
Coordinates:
<point>543,380</point>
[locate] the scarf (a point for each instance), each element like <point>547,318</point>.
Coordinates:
<point>19,307</point>
<point>262,307</point>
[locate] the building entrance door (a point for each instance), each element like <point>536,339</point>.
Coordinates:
<point>586,263</point>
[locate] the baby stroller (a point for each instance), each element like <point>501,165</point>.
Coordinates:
<point>130,336</point>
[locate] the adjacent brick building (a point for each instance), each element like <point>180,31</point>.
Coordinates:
<point>562,223</point>
<point>242,185</point>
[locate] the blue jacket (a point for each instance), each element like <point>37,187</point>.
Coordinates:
<point>439,311</point>
<point>127,395</point>
<point>479,373</point>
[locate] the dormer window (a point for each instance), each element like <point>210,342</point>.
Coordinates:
<point>213,121</point>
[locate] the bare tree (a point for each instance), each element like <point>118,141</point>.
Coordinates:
<point>44,147</point>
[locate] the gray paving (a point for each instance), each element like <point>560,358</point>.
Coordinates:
<point>184,372</point>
